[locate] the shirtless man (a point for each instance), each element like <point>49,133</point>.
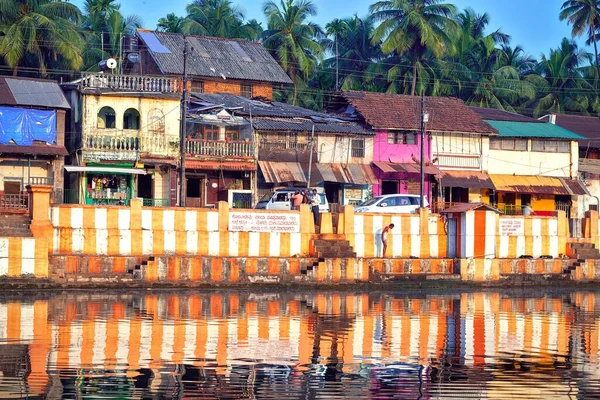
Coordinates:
<point>384,237</point>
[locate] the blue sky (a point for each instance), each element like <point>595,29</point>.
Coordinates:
<point>533,24</point>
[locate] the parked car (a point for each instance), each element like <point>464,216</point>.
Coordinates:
<point>281,199</point>
<point>392,203</point>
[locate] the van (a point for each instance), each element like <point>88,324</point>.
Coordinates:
<point>392,204</point>
<point>281,199</point>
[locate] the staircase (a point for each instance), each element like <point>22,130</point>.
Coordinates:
<point>582,251</point>
<point>332,248</point>
<point>14,225</point>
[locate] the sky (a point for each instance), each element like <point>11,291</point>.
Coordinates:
<point>533,24</point>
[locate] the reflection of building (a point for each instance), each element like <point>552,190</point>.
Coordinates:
<point>32,133</point>
<point>124,140</point>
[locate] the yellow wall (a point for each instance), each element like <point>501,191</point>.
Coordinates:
<point>20,170</point>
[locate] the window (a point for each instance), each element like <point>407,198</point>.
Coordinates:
<point>232,134</point>
<point>106,118</point>
<point>246,90</point>
<point>198,86</point>
<point>156,121</point>
<point>550,146</point>
<point>508,144</point>
<point>289,140</point>
<point>456,143</point>
<point>210,132</point>
<point>131,119</point>
<point>405,137</point>
<point>358,148</point>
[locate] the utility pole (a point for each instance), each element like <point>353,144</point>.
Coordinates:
<point>337,64</point>
<point>310,156</point>
<point>182,126</point>
<point>422,185</point>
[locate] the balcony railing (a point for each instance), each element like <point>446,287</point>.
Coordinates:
<point>41,180</point>
<point>112,143</point>
<point>219,148</point>
<point>135,83</point>
<point>283,146</point>
<point>14,201</point>
<point>458,161</point>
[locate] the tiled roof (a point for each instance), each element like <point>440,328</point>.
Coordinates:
<point>465,207</point>
<point>296,125</point>
<point>392,111</point>
<point>17,91</point>
<point>586,126</point>
<point>214,57</point>
<point>466,179</point>
<point>534,130</point>
<point>494,114</point>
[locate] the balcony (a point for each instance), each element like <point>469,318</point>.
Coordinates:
<point>112,146</point>
<point>135,83</point>
<point>283,146</point>
<point>219,148</point>
<point>463,161</point>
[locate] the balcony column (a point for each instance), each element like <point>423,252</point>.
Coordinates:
<point>222,133</point>
<point>39,210</point>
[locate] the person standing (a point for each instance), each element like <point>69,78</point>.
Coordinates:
<point>528,210</point>
<point>315,201</point>
<point>296,200</point>
<point>384,237</point>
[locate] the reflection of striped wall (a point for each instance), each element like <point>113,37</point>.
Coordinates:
<point>543,236</point>
<point>21,256</point>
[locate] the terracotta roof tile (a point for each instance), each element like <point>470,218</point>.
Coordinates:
<point>392,111</point>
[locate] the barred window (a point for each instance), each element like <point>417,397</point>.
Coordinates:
<point>358,148</point>
<point>550,146</point>
<point>402,137</point>
<point>508,144</point>
<point>246,90</point>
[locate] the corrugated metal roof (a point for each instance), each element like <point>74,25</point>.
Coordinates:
<point>282,172</point>
<point>464,207</point>
<point>494,114</point>
<point>466,179</point>
<point>221,165</point>
<point>355,174</point>
<point>535,130</point>
<point>574,187</point>
<point>389,167</point>
<point>216,58</point>
<point>528,184</point>
<point>31,92</point>
<point>296,125</point>
<point>589,166</point>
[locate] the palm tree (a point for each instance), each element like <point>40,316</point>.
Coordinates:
<point>171,23</point>
<point>292,40</point>
<point>253,30</point>
<point>39,33</point>
<point>335,28</point>
<point>415,27</point>
<point>584,16</point>
<point>97,12</point>
<point>217,18</point>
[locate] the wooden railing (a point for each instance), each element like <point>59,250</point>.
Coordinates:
<point>14,201</point>
<point>131,82</point>
<point>219,148</point>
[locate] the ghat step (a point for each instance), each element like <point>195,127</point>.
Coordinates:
<point>14,225</point>
<point>332,248</point>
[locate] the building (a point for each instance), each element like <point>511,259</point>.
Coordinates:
<point>32,132</point>
<point>299,147</point>
<point>454,146</point>
<point>124,139</point>
<point>215,65</point>
<point>531,161</point>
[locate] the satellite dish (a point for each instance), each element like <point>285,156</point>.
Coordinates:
<point>133,58</point>
<point>104,65</point>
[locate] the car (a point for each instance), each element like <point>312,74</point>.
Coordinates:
<point>280,199</point>
<point>392,203</point>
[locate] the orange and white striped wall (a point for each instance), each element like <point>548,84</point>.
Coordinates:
<point>23,256</point>
<point>476,234</point>
<point>543,236</point>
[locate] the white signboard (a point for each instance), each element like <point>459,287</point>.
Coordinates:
<point>512,227</point>
<point>263,222</point>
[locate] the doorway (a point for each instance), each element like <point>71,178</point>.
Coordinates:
<point>332,192</point>
<point>193,192</point>
<point>144,186</point>
<point>389,187</point>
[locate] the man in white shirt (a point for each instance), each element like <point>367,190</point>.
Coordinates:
<point>315,201</point>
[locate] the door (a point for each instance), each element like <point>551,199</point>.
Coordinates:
<point>144,189</point>
<point>332,192</point>
<point>452,239</point>
<point>389,187</point>
<point>194,196</point>
<point>280,201</point>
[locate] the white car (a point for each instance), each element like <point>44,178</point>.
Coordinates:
<point>392,204</point>
<point>281,199</point>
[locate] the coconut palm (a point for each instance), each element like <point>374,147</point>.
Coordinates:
<point>584,16</point>
<point>253,30</point>
<point>97,12</point>
<point>292,40</point>
<point>415,27</point>
<point>217,18</point>
<point>336,28</point>
<point>40,34</point>
<point>171,23</point>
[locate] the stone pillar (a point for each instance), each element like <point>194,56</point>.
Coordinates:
<point>326,223</point>
<point>591,224</point>
<point>135,206</point>
<point>424,232</point>
<point>348,212</point>
<point>39,210</point>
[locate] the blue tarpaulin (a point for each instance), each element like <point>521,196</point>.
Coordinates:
<point>24,125</point>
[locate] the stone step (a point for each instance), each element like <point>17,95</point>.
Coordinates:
<point>576,246</point>
<point>588,254</point>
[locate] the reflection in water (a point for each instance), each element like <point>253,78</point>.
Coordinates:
<point>301,345</point>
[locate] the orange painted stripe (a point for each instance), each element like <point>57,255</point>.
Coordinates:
<point>179,220</point>
<point>135,340</point>
<point>89,241</point>
<point>15,262</point>
<point>89,218</point>
<point>136,242</point>
<point>112,341</point>
<point>321,272</point>
<point>294,266</point>
<point>181,243</point>
<point>224,244</point>
<point>216,270</point>
<point>157,221</point>
<point>118,265</point>
<point>151,271</point>
<point>234,304</point>
<point>350,268</point>
<point>202,242</point>
<point>337,269</point>
<point>243,243</point>
<point>64,217</point>
<point>173,268</point>
<point>13,318</point>
<point>251,266</point>
<point>365,270</point>
<point>113,242</point>
<point>216,306</point>
<point>416,266</point>
<point>112,216</point>
<point>195,265</point>
<point>273,266</point>
<point>264,245</point>
<point>156,344</point>
<point>179,342</point>
<point>234,270</point>
<point>480,230</point>
<point>201,221</point>
<point>284,244</point>
<point>195,307</point>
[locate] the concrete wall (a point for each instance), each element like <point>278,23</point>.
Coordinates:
<point>338,149</point>
<point>529,162</point>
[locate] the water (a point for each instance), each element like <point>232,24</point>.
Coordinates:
<point>307,345</point>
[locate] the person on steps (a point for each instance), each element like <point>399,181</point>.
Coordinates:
<point>384,237</point>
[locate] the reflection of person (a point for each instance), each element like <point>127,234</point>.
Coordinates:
<point>315,200</point>
<point>527,210</point>
<point>296,200</point>
<point>384,237</point>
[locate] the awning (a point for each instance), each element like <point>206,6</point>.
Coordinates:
<point>221,165</point>
<point>466,179</point>
<point>355,174</point>
<point>107,169</point>
<point>529,184</point>
<point>282,172</point>
<point>574,186</point>
<point>414,168</point>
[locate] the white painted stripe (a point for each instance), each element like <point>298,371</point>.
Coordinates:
<point>274,329</point>
<point>28,248</point>
<point>254,244</point>
<point>53,353</point>
<point>554,251</point>
<point>55,216</point>
<point>469,338</point>
<point>75,344</point>
<point>553,332</point>
<point>396,337</point>
<point>166,349</point>
<point>191,244</point>
<point>519,343</point>
<point>536,332</point>
<point>520,246</point>
<point>553,226</point>
<point>434,246</point>
<point>359,332</point>
<point>212,340</point>
<point>490,234</point>
<point>415,225</point>
<point>168,220</point>
<point>125,242</point>
<point>504,335</point>
<point>359,223</point>
<point>537,246</point>
<point>99,356</point>
<point>145,342</point>
<point>234,243</point>
<point>295,243</point>
<point>101,242</point>
<point>170,240</point>
<point>503,251</point>
<point>212,222</point>
<point>124,219</point>
<point>397,243</point>
<point>274,244</point>
<point>252,331</point>
<point>3,322</point>
<point>376,339</point>
<point>147,220</point>
<point>27,266</point>
<point>147,242</point>
<point>191,218</point>
<point>76,218</point>
<point>232,328</point>
<point>432,225</point>
<point>397,221</point>
<point>489,324</point>
<point>189,346</point>
<point>415,245</point>
<point>415,333</point>
<point>468,233</point>
<point>536,227</point>
<point>101,218</point>
<point>213,243</point>
<point>377,224</point>
<point>433,332</point>
<point>56,241</point>
<point>27,314</point>
<point>78,239</point>
<point>122,354</point>
<point>3,266</point>
<point>295,337</point>
<point>359,244</point>
<point>4,247</point>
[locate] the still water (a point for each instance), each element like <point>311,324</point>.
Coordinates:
<point>303,345</point>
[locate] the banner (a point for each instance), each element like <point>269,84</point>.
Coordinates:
<point>512,227</point>
<point>263,222</point>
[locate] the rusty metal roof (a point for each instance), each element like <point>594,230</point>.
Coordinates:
<point>414,168</point>
<point>466,179</point>
<point>282,172</point>
<point>356,174</point>
<point>529,184</point>
<point>464,207</point>
<point>589,166</point>
<point>574,187</point>
<point>218,165</point>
